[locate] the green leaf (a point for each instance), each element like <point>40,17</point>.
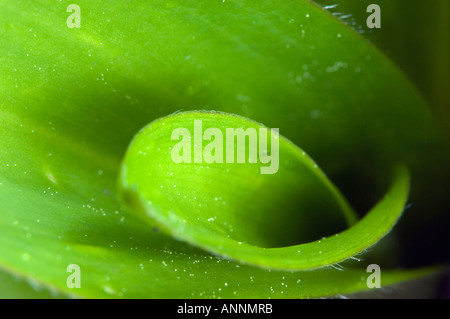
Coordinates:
<point>233,209</point>
<point>71,100</point>
<point>203,190</point>
<point>14,287</point>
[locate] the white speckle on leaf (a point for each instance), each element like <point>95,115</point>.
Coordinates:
<point>109,290</point>
<point>315,114</point>
<point>51,178</point>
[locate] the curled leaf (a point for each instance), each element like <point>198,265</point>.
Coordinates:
<point>231,209</point>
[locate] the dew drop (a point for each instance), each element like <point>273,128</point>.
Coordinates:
<point>109,290</point>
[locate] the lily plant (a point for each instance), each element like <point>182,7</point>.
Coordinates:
<point>109,188</point>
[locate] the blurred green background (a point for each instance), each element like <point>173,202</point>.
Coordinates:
<point>415,35</point>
